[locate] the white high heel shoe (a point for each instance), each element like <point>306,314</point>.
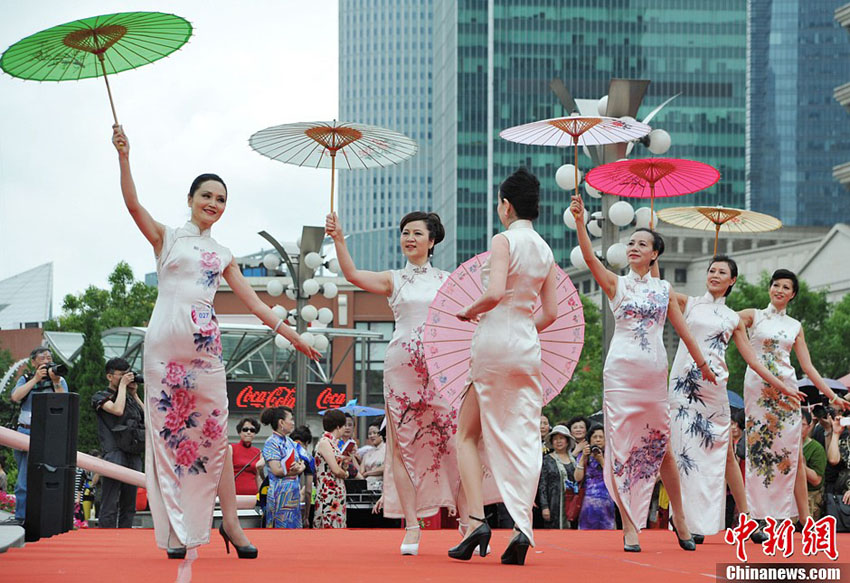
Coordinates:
<point>410,548</point>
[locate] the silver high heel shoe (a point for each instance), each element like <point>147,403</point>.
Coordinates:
<point>410,548</point>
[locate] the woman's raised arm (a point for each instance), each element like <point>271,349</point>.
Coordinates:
<point>153,231</point>
<point>377,282</point>
<point>606,279</point>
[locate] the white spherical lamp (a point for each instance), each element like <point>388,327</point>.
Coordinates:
<point>659,142</point>
<point>602,106</point>
<point>642,217</point>
<point>320,342</point>
<point>565,177</point>
<point>282,342</point>
<point>330,290</point>
<point>577,259</point>
<point>569,219</point>
<point>311,287</point>
<point>298,242</point>
<point>274,287</point>
<point>616,256</point>
<point>325,316</point>
<point>290,292</point>
<point>592,192</point>
<point>308,338</point>
<point>280,311</point>
<point>271,261</point>
<point>309,313</point>
<point>292,317</point>
<point>627,119</point>
<point>621,213</point>
<point>594,228</point>
<point>333,265</point>
<point>313,260</point>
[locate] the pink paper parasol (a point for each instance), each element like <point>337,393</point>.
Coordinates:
<point>448,340</point>
<point>652,177</point>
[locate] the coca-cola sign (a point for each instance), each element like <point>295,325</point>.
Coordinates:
<point>256,396</point>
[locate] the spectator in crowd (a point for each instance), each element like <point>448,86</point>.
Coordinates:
<point>121,432</point>
<point>822,433</point>
<point>86,489</point>
<point>597,509</point>
<point>331,471</point>
<point>814,457</point>
<point>373,460</point>
<point>283,501</point>
<point>44,379</point>
<point>578,426</point>
<point>736,456</point>
<point>303,437</point>
<point>544,431</point>
<point>838,456</point>
<point>558,470</point>
<point>247,459</point>
<point>349,434</point>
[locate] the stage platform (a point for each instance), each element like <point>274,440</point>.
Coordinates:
<point>372,555</point>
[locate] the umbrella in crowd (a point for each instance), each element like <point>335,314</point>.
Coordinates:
<point>717,218</point>
<point>576,131</point>
<point>355,410</point>
<point>736,401</point>
<point>652,177</point>
<point>318,144</point>
<point>814,396</point>
<point>448,341</point>
<point>96,46</point>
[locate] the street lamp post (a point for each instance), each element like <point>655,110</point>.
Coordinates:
<point>300,272</point>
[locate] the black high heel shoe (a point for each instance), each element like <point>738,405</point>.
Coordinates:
<point>249,551</point>
<point>698,538</point>
<point>630,548</point>
<point>480,538</point>
<point>516,551</point>
<point>686,544</point>
<point>176,552</point>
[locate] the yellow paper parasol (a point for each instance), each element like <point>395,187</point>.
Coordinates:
<point>715,218</point>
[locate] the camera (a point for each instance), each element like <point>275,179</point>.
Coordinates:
<point>57,368</point>
<point>138,378</point>
<point>595,449</point>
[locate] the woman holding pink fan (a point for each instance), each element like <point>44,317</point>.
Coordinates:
<point>420,472</point>
<point>500,411</point>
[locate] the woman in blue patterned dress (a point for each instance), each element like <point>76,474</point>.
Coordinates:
<point>637,415</point>
<point>597,508</point>
<point>187,458</point>
<point>283,502</point>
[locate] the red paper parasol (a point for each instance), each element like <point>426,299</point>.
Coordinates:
<point>652,177</point>
<point>448,340</point>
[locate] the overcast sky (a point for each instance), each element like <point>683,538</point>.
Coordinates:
<point>248,65</point>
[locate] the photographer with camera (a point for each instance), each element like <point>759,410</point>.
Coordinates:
<point>47,377</point>
<point>121,431</point>
<point>597,508</point>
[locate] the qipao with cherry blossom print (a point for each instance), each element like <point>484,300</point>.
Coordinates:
<point>421,423</point>
<point>185,390</point>
<point>773,422</point>
<point>637,420</point>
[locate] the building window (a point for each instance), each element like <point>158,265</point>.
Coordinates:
<point>376,349</point>
<point>680,275</point>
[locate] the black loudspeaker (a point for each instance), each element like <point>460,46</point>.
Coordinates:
<point>51,465</point>
<point>53,431</point>
<point>50,501</point>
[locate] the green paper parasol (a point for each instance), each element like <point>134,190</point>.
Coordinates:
<point>96,46</point>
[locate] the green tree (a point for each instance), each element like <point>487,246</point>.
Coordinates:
<point>86,378</point>
<point>127,303</point>
<point>833,356</point>
<point>811,308</point>
<point>583,393</point>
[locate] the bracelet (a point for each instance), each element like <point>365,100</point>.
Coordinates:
<point>704,362</point>
<point>835,398</point>
<point>279,322</point>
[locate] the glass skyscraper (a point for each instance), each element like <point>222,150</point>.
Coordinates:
<point>385,79</point>
<point>494,59</point>
<point>796,131</point>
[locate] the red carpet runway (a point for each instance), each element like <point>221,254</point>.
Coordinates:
<point>93,555</point>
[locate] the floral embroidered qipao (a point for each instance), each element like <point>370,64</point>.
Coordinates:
<point>773,427</point>
<point>423,424</point>
<point>185,392</point>
<point>637,420</point>
<point>699,411</point>
<point>283,502</point>
<point>330,490</point>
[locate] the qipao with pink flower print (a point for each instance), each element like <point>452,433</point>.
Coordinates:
<point>186,389</point>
